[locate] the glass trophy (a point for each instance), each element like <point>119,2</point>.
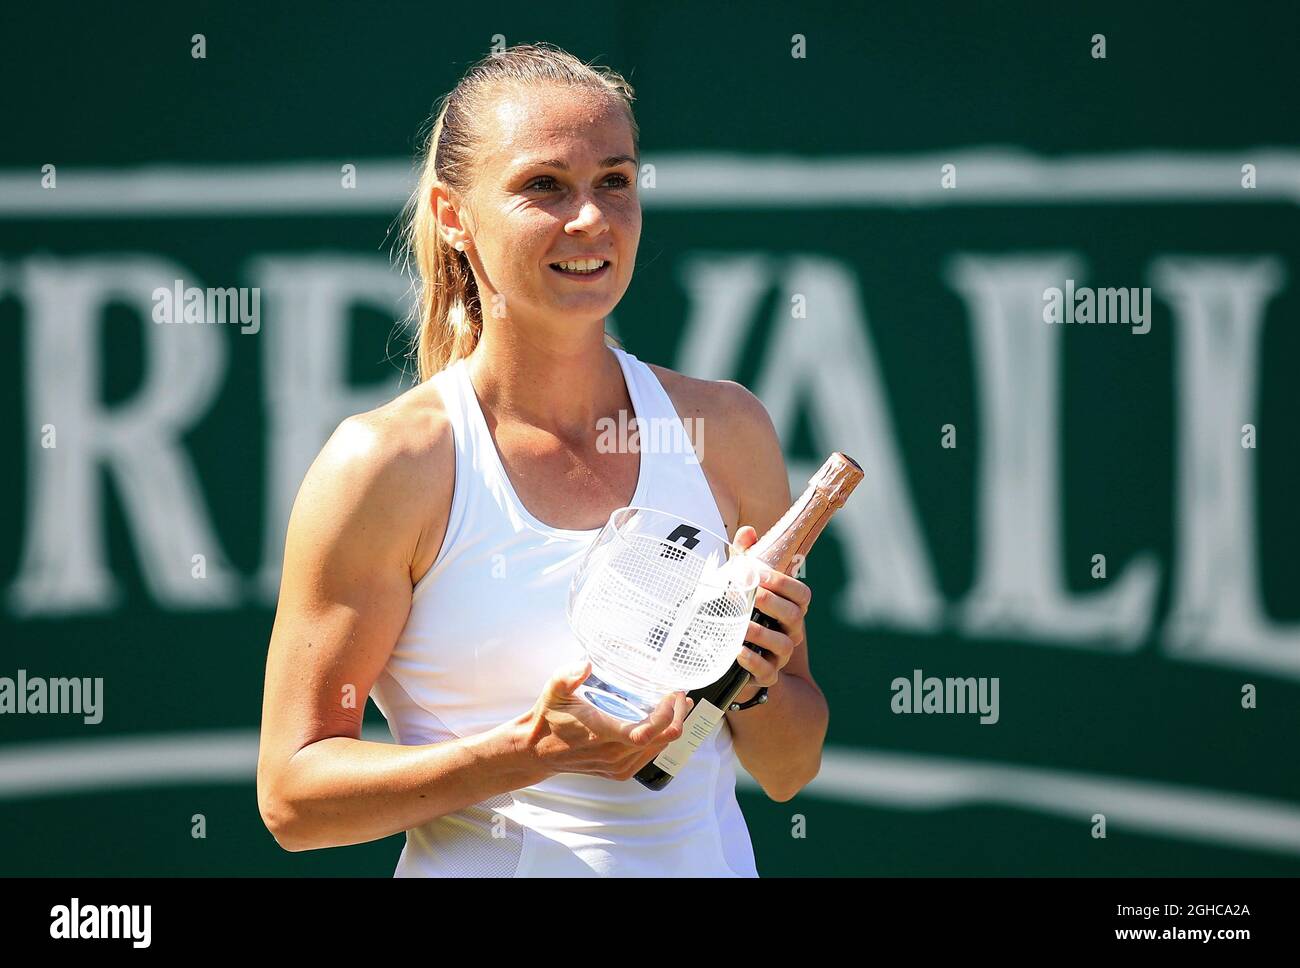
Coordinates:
<point>659,604</point>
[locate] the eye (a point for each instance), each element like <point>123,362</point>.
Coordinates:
<point>622,181</point>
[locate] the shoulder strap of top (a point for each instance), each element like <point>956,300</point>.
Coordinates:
<point>648,391</point>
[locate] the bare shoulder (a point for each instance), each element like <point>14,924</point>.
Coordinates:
<point>407,429</point>
<point>394,445</point>
<point>741,445</point>
<point>387,475</point>
<point>739,415</point>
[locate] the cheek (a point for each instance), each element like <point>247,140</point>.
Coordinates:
<point>529,241</point>
<point>630,230</point>
<point>631,217</point>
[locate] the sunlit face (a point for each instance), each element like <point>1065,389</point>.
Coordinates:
<point>557,182</point>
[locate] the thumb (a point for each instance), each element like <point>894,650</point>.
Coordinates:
<point>569,678</point>
<point>746,536</point>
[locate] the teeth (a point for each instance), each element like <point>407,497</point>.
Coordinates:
<point>581,265</point>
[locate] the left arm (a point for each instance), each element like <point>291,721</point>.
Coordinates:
<point>778,742</point>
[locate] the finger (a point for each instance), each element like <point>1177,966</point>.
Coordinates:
<point>774,606</point>
<point>774,641</point>
<point>745,538</point>
<point>762,671</point>
<point>674,730</point>
<point>684,706</point>
<point>786,586</point>
<point>644,732</point>
<point>563,684</point>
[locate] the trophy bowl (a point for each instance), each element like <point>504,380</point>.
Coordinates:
<point>659,603</point>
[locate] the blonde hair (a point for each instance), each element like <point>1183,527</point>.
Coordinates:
<point>446,315</point>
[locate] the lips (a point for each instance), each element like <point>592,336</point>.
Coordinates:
<point>581,276</point>
<point>581,258</point>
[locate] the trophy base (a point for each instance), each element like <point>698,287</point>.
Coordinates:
<point>614,701</point>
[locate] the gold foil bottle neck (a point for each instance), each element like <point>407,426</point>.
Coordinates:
<point>788,541</point>
<point>837,478</point>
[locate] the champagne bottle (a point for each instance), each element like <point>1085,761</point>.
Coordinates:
<point>782,548</point>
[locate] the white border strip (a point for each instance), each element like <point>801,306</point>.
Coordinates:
<point>918,782</point>
<point>902,781</point>
<point>691,180</point>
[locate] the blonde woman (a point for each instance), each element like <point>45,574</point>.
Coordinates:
<point>433,539</point>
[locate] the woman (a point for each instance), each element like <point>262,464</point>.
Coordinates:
<point>432,542</point>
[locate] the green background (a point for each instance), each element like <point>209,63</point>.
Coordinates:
<point>117,88</point>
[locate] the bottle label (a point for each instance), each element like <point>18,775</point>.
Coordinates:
<point>702,720</point>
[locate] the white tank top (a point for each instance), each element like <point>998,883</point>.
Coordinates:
<point>487,629</point>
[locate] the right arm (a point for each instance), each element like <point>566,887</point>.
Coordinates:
<point>344,598</point>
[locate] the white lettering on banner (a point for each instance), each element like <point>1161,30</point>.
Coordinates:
<point>723,293</point>
<point>64,564</point>
<point>1218,308</point>
<point>1019,588</point>
<point>1216,614</point>
<point>891,582</point>
<point>305,372</point>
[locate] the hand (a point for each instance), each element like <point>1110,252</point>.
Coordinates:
<point>569,735</point>
<point>785,599</point>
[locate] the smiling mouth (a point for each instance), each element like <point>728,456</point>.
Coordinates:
<point>580,268</point>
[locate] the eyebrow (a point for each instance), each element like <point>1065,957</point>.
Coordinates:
<point>613,161</point>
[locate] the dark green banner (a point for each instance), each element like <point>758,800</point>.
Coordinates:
<point>1037,272</point>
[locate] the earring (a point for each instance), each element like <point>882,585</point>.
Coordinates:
<point>460,246</point>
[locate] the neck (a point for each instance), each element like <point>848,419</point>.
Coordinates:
<point>559,385</point>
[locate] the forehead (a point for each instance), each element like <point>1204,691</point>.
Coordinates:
<point>554,122</point>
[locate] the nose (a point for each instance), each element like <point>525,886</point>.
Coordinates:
<point>589,218</point>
